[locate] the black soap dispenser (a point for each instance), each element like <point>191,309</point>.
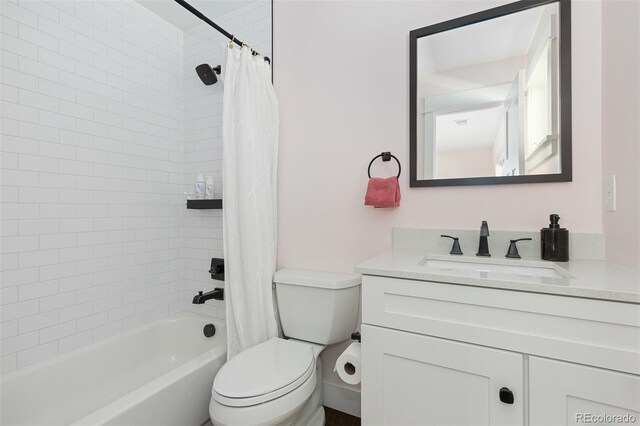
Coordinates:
<point>554,241</point>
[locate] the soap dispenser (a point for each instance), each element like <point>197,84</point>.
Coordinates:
<point>554,241</point>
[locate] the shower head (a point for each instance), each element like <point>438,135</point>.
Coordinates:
<point>207,74</point>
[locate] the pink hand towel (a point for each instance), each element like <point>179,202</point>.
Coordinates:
<point>383,192</point>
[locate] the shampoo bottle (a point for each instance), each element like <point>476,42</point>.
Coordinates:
<point>554,241</point>
<point>200,187</point>
<point>209,188</point>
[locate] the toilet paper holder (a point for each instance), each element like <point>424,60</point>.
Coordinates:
<point>349,365</point>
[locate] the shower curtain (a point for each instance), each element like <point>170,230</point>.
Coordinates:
<point>250,155</point>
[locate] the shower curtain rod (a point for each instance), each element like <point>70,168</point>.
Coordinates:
<point>221,30</point>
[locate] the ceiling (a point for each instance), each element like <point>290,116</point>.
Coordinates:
<point>175,14</point>
<point>493,40</point>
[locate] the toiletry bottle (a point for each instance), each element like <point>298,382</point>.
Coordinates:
<point>200,187</point>
<point>554,241</point>
<point>209,188</point>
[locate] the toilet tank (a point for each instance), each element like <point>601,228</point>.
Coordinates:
<point>318,307</point>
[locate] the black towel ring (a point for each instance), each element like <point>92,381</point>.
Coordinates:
<point>386,156</point>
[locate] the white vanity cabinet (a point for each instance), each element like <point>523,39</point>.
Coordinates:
<point>410,379</point>
<point>440,354</point>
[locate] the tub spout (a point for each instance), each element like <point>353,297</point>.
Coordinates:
<point>200,298</point>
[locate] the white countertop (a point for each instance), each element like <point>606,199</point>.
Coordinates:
<point>594,279</point>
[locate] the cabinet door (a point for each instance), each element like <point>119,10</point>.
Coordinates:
<point>411,379</point>
<point>563,393</point>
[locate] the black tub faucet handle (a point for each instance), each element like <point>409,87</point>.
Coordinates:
<point>217,269</point>
<point>455,249</point>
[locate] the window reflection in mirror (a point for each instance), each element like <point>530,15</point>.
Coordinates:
<point>487,98</point>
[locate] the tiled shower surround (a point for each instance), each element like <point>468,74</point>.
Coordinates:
<point>202,232</point>
<point>104,127</point>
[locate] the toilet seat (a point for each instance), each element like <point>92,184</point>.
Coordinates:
<point>279,411</point>
<point>264,372</point>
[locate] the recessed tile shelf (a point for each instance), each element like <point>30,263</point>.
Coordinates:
<point>204,204</point>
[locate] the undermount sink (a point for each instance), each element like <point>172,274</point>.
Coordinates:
<point>454,265</point>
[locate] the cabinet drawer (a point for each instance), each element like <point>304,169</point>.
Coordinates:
<point>410,379</point>
<point>593,332</point>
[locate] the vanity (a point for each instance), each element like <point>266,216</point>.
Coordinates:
<point>454,338</point>
<point>463,340</point>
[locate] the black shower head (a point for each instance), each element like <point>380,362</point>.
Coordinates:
<point>207,74</point>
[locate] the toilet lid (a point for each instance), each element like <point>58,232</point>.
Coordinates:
<point>264,369</point>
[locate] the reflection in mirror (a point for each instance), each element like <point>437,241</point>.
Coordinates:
<point>487,97</point>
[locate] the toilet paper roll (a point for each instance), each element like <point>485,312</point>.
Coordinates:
<point>348,364</point>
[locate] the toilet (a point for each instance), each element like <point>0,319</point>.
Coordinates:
<point>279,382</point>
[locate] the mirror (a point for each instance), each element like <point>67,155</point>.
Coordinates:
<point>491,97</point>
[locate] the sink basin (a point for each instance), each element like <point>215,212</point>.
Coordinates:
<point>528,271</point>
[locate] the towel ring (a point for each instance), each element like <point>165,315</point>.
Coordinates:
<point>386,156</point>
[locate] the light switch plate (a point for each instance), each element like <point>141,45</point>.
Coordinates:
<point>610,193</point>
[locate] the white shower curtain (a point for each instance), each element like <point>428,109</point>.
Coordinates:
<point>250,155</point>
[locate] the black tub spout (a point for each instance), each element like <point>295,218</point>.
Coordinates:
<point>200,298</point>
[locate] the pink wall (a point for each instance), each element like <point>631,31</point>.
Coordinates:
<point>341,74</point>
<point>621,127</point>
<point>455,163</point>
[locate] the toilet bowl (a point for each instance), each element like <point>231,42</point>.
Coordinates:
<point>268,384</point>
<point>279,382</point>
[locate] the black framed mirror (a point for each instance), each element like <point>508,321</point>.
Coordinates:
<point>490,97</point>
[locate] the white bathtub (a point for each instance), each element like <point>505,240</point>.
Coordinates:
<point>159,374</point>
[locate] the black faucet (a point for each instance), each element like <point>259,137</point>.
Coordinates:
<point>200,298</point>
<point>483,246</point>
<point>217,273</point>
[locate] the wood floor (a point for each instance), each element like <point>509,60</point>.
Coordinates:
<point>332,418</point>
<point>338,418</point>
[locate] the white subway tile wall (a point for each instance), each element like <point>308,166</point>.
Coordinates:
<point>104,126</point>
<point>92,169</point>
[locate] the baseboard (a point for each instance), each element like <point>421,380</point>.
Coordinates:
<point>341,398</point>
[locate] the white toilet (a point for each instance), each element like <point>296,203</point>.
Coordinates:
<point>279,382</point>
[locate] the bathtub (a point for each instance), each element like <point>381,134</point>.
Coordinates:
<point>158,374</point>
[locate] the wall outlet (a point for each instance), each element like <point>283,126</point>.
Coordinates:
<point>610,193</point>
